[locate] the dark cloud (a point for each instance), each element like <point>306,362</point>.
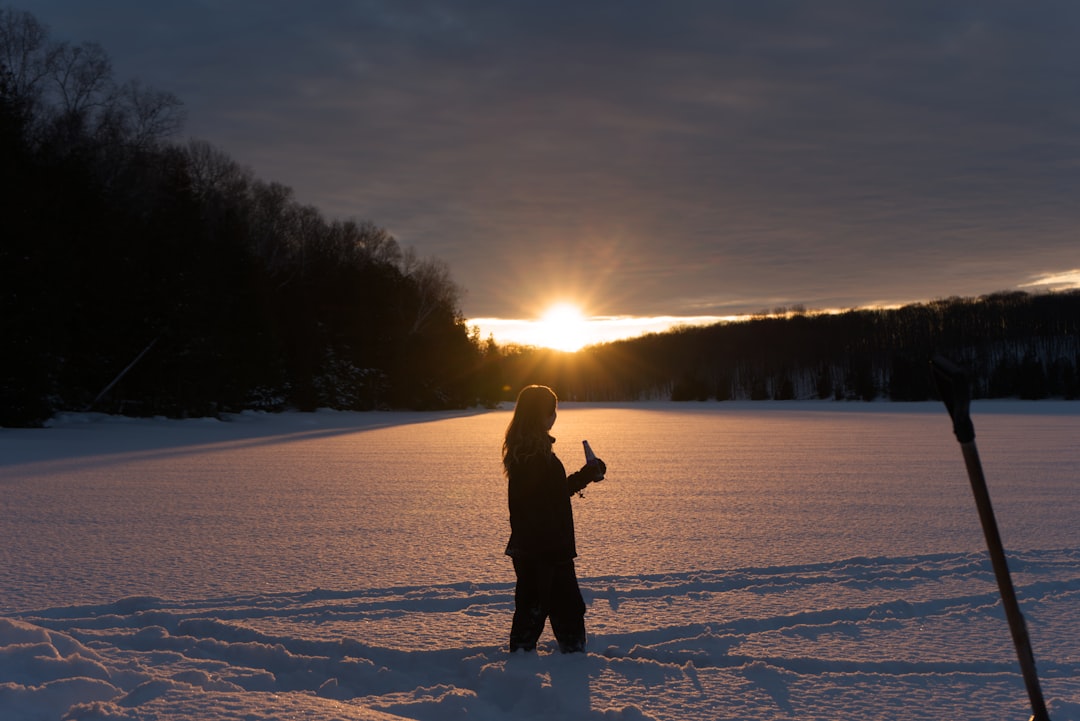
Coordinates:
<point>659,158</point>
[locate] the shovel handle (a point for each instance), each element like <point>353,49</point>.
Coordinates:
<point>952,385</point>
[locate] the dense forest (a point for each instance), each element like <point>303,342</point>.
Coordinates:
<point>214,290</point>
<point>144,276</point>
<point>1013,344</point>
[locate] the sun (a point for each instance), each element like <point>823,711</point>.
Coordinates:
<point>563,327</point>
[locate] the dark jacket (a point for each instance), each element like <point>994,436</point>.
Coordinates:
<point>541,519</point>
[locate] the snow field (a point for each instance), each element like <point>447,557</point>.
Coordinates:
<point>840,574</point>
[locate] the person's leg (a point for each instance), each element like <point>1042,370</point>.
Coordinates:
<point>530,605</point>
<point>567,609</point>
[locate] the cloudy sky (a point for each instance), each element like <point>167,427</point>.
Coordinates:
<point>647,158</point>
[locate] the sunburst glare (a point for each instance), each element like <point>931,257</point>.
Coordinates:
<point>563,327</point>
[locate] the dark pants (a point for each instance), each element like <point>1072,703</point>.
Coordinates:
<point>547,590</point>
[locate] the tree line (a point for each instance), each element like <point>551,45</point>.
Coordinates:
<point>143,276</point>
<point>1013,344</point>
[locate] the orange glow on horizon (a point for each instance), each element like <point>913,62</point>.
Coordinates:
<point>564,327</point>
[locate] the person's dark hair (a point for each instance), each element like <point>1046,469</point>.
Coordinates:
<point>527,435</point>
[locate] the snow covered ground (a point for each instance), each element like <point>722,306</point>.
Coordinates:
<point>742,561</point>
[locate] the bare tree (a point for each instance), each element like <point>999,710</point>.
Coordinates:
<point>269,223</point>
<point>22,55</point>
<point>306,233</point>
<point>80,77</point>
<point>434,285</point>
<point>373,243</point>
<point>149,115</point>
<point>214,171</point>
<point>68,90</point>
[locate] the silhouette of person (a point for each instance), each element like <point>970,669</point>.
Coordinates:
<point>542,526</point>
